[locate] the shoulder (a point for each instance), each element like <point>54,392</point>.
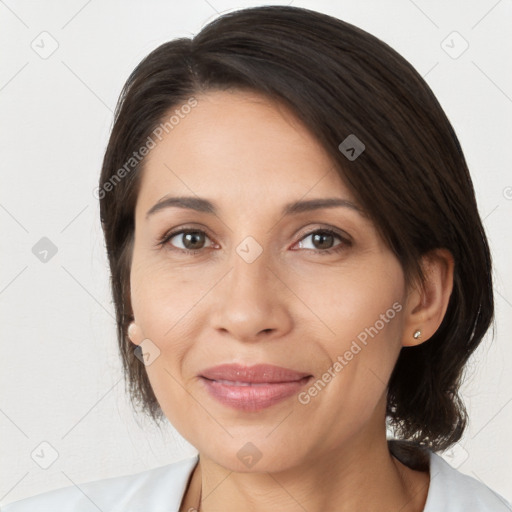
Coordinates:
<point>453,491</point>
<point>150,490</point>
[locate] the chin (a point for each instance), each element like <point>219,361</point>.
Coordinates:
<point>253,456</point>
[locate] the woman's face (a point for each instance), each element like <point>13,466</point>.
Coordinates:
<point>261,285</point>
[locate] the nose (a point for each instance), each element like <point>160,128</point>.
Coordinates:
<point>252,302</point>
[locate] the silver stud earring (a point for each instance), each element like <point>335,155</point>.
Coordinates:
<point>417,334</point>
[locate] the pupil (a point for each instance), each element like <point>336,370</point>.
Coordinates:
<point>193,238</point>
<point>322,238</point>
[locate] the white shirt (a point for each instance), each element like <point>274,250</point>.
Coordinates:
<point>162,489</point>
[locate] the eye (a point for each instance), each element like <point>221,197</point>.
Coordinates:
<point>192,240</point>
<point>322,241</point>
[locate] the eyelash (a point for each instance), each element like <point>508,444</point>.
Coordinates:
<point>337,248</point>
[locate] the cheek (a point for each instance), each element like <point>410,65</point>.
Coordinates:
<point>362,320</point>
<point>164,296</point>
<point>350,300</point>
<point>164,301</point>
<point>162,307</point>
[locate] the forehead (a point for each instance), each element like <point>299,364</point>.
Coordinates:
<point>239,144</point>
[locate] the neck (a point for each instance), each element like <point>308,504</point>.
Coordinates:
<point>359,476</point>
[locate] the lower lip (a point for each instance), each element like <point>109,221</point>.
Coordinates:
<point>254,397</point>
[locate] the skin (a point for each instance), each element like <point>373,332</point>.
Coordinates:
<point>290,307</point>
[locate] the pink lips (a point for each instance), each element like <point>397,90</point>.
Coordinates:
<point>252,388</point>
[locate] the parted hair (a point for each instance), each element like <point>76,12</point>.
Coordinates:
<point>412,178</point>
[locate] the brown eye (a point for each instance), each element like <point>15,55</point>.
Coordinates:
<point>323,241</point>
<point>187,240</point>
<point>193,240</point>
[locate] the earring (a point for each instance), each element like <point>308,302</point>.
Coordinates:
<point>131,330</point>
<point>417,334</point>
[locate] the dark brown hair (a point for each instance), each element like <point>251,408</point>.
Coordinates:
<point>412,177</point>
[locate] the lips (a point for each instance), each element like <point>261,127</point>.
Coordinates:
<point>260,373</point>
<point>252,388</point>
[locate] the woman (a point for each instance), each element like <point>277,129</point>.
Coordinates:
<point>297,259</point>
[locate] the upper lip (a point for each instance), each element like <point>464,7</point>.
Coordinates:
<point>257,373</point>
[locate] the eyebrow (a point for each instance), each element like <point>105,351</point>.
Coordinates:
<point>204,206</point>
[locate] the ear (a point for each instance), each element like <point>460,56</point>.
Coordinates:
<point>135,334</point>
<point>426,305</point>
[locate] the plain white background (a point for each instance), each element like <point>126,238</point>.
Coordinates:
<point>61,374</point>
